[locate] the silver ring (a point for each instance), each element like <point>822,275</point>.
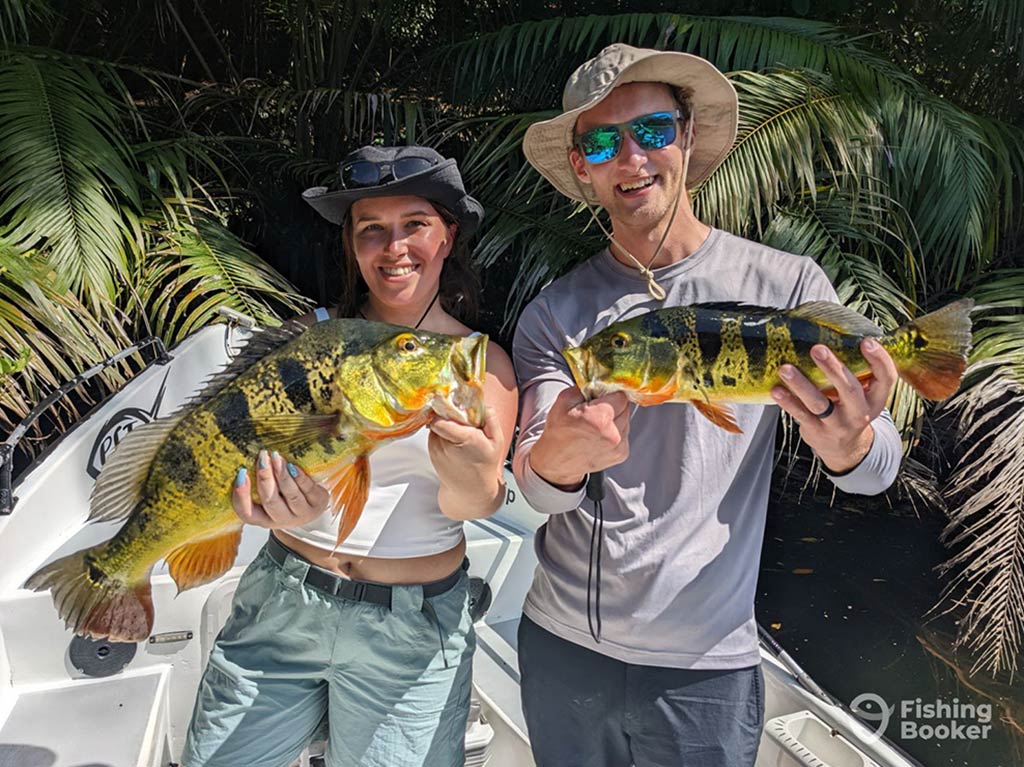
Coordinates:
<point>827,411</point>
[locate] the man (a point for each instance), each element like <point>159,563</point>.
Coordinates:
<point>647,654</point>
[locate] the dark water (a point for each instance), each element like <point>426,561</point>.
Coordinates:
<point>857,623</point>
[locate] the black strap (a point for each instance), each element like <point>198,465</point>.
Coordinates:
<point>595,492</point>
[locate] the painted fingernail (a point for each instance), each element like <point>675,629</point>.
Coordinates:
<point>819,353</point>
<point>240,478</point>
<point>786,371</point>
<point>293,470</point>
<point>263,459</point>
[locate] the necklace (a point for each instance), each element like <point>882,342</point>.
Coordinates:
<point>422,317</point>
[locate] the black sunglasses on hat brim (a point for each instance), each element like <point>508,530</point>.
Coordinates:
<point>376,171</point>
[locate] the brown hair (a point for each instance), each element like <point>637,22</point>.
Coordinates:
<point>458,282</point>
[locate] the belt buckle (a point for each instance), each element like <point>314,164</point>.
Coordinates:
<point>358,591</point>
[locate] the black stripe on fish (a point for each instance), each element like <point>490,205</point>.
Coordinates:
<point>709,338</point>
<point>295,380</point>
<point>653,325</point>
<point>755,341</point>
<point>232,417</point>
<point>180,462</point>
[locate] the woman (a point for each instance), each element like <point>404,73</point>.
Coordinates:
<point>371,639</point>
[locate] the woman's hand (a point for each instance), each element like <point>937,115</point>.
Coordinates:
<point>468,456</point>
<point>290,498</point>
<point>469,460</point>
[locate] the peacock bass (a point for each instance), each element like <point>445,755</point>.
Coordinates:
<point>711,354</point>
<point>324,397</point>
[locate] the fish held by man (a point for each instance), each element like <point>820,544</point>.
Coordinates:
<point>712,354</point>
<point>324,397</point>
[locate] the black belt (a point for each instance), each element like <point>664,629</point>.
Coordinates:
<point>357,591</point>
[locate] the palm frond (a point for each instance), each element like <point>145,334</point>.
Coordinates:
<point>795,130</point>
<point>986,527</point>
<point>198,266</point>
<point>15,17</point>
<point>67,184</point>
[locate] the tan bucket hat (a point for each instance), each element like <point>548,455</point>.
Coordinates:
<point>715,109</point>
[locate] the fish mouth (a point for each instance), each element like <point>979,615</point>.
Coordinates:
<point>586,371</point>
<point>463,399</point>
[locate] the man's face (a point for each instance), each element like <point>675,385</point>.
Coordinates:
<point>642,207</point>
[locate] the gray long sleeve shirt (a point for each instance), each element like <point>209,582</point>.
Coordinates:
<point>685,513</point>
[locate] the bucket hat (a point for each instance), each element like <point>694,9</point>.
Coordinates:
<point>713,101</point>
<point>440,182</point>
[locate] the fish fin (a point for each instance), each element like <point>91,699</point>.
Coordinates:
<point>349,486</point>
<point>865,377</point>
<point>653,398</point>
<point>940,343</point>
<point>719,415</point>
<point>259,346</point>
<point>119,487</point>
<point>286,431</point>
<point>93,603</point>
<point>836,317</point>
<point>197,562</point>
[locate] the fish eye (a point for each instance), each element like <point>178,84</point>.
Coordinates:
<point>620,340</point>
<point>407,343</point>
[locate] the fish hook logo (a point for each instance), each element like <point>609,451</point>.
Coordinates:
<point>879,711</point>
<point>119,426</point>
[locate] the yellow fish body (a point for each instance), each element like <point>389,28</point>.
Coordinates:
<point>711,354</point>
<point>324,397</point>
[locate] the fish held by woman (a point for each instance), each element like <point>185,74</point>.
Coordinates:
<point>712,354</point>
<point>324,397</point>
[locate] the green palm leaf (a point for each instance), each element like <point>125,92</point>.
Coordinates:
<point>196,267</point>
<point>67,184</point>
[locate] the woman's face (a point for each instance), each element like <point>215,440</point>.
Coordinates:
<point>400,244</point>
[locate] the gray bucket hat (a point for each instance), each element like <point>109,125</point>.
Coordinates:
<point>439,183</point>
<point>714,107</point>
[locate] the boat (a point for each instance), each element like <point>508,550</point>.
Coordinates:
<point>68,701</point>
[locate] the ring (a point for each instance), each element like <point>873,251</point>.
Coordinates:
<point>827,411</point>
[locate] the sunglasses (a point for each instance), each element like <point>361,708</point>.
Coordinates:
<point>651,131</point>
<point>364,173</point>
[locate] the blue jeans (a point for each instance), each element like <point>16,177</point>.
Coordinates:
<point>392,684</point>
<point>584,709</point>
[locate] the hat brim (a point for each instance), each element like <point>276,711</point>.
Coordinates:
<point>434,185</point>
<point>715,111</point>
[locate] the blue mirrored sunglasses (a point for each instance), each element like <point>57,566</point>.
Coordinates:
<point>651,131</point>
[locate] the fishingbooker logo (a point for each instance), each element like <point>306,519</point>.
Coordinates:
<point>926,720</point>
<point>119,426</point>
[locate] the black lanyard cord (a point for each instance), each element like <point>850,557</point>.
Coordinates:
<point>595,492</point>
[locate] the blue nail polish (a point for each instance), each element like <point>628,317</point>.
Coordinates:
<point>293,470</point>
<point>240,479</point>
<point>275,454</point>
<point>263,459</point>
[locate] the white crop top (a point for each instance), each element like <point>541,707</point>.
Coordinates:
<point>402,517</point>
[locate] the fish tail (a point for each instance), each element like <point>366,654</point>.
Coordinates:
<point>931,352</point>
<point>94,603</point>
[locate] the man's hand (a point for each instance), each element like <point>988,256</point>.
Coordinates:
<point>289,496</point>
<point>843,437</point>
<point>580,437</point>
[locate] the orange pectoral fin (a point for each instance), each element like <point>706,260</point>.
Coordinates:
<point>349,486</point>
<point>197,562</point>
<point>865,377</point>
<point>719,415</point>
<point>654,398</point>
